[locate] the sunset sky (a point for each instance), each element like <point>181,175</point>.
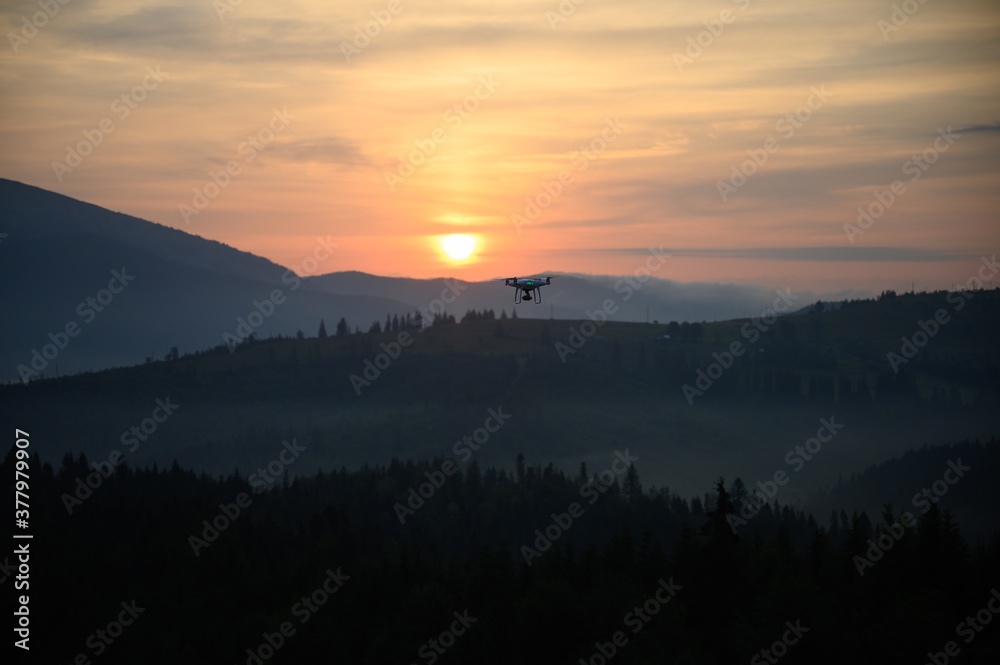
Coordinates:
<point>454,115</point>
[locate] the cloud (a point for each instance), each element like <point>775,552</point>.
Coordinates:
<point>174,28</point>
<point>819,254</point>
<point>995,127</point>
<point>328,150</point>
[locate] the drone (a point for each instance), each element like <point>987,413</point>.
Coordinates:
<point>527,286</point>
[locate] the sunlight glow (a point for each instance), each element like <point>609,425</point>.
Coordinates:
<point>458,246</point>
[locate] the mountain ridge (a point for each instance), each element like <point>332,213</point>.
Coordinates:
<point>33,212</point>
<point>59,251</point>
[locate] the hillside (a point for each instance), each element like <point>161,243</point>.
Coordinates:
<point>59,264</point>
<point>623,388</point>
<point>958,478</point>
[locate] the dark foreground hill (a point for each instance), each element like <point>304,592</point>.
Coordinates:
<point>486,566</point>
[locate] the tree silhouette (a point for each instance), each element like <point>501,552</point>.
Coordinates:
<point>632,488</point>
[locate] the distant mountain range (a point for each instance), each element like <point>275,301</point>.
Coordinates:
<point>175,289</point>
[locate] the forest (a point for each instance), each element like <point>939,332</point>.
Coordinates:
<point>629,384</point>
<point>531,565</point>
<point>483,498</point>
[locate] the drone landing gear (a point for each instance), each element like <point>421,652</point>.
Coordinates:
<point>527,296</point>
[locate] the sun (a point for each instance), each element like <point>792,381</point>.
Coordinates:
<point>458,246</point>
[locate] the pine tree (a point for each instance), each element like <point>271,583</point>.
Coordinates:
<point>632,487</point>
<point>716,526</point>
<point>322,330</point>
